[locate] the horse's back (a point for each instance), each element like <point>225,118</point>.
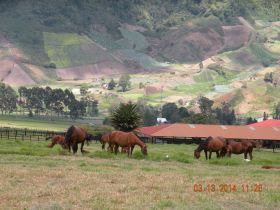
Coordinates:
<point>119,137</point>
<point>216,143</point>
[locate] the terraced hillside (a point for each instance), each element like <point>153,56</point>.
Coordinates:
<point>183,49</point>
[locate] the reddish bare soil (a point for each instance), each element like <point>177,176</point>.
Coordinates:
<point>181,46</point>
<point>12,74</point>
<point>236,36</point>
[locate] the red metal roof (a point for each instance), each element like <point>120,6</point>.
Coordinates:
<point>148,131</point>
<point>267,123</point>
<point>203,131</point>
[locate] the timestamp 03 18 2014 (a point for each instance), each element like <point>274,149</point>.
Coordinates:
<point>228,188</point>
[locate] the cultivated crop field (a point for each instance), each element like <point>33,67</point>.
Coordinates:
<point>36,177</point>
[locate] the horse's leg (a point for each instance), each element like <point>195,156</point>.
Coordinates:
<point>131,150</point>
<point>75,147</point>
<point>210,154</point>
<point>205,151</point>
<point>116,148</point>
<point>218,155</point>
<point>128,151</point>
<point>82,145</point>
<point>245,154</point>
<point>251,156</point>
<point>103,145</point>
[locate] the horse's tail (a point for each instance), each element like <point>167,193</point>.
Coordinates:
<point>68,135</point>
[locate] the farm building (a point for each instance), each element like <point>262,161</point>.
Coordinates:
<point>272,123</point>
<point>194,133</point>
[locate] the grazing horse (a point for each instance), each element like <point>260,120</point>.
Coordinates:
<point>239,148</point>
<point>57,139</point>
<point>104,140</point>
<point>212,144</point>
<point>129,140</point>
<point>74,136</point>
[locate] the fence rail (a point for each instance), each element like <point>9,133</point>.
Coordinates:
<point>26,134</point>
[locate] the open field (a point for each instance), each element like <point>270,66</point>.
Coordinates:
<point>25,122</point>
<point>36,177</point>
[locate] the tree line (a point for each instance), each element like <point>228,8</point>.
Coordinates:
<point>45,101</point>
<point>128,116</point>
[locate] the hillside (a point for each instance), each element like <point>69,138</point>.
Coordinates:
<point>50,42</point>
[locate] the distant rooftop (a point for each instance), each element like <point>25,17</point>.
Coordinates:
<point>267,123</point>
<point>204,131</point>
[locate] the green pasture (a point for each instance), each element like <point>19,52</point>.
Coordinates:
<point>66,49</point>
<point>34,176</point>
<point>30,123</point>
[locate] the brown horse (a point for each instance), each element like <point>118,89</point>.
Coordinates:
<point>74,136</point>
<point>57,139</point>
<point>212,144</point>
<point>105,140</point>
<point>239,148</point>
<point>129,140</point>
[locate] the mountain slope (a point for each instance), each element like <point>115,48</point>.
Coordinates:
<point>83,39</point>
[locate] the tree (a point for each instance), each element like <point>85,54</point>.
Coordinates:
<point>205,105</point>
<point>149,113</point>
<point>265,116</point>
<point>199,118</point>
<point>8,99</point>
<point>201,65</point>
<point>168,111</point>
<point>250,120</point>
<point>112,84</point>
<point>276,112</point>
<point>124,82</point>
<point>84,89</point>
<point>91,105</point>
<point>77,109</point>
<point>225,115</point>
<point>268,77</point>
<point>125,117</point>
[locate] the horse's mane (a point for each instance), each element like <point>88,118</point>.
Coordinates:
<point>69,134</point>
<point>136,138</point>
<point>204,144</point>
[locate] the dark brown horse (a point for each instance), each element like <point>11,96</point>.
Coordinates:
<point>239,148</point>
<point>57,139</point>
<point>129,140</point>
<point>74,136</point>
<point>211,144</point>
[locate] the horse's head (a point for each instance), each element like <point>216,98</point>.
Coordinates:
<point>196,154</point>
<point>144,150</point>
<point>64,145</point>
<point>224,151</point>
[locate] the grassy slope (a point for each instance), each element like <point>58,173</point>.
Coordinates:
<point>36,177</point>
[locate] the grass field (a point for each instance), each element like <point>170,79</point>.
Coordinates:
<point>36,177</point>
<point>25,122</point>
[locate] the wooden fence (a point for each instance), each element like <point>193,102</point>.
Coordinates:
<point>26,134</point>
